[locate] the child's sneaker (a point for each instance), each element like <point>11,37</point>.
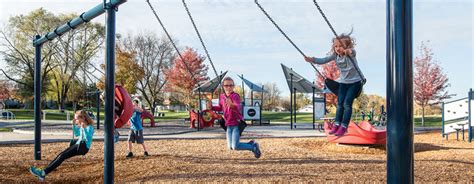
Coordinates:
<point>341,131</point>
<point>130,155</point>
<point>38,173</point>
<point>256,150</point>
<point>334,129</point>
<point>146,154</point>
<point>116,136</point>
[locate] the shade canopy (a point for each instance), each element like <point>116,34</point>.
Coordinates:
<point>299,83</point>
<point>212,85</point>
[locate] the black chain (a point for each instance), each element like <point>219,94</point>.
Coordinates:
<point>325,18</point>
<point>279,29</point>
<point>172,43</point>
<point>286,36</point>
<point>201,40</point>
<point>343,44</point>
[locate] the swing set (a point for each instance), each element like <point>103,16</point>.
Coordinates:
<point>399,97</point>
<point>363,133</point>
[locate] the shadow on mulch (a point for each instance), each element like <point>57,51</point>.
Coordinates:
<point>421,147</point>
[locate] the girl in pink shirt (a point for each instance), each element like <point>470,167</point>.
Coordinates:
<point>229,103</point>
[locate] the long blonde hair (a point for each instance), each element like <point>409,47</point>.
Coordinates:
<point>86,116</point>
<point>346,40</point>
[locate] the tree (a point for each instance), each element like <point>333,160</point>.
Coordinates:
<point>18,52</point>
<point>180,79</point>
<point>154,56</point>
<point>6,89</point>
<point>74,52</point>
<point>430,82</point>
<point>271,96</point>
<point>331,71</point>
<point>361,103</point>
<point>127,70</point>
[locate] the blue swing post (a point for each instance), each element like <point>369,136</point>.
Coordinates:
<point>470,99</point>
<point>110,8</point>
<point>37,101</point>
<point>399,92</point>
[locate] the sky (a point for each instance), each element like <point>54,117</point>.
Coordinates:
<point>242,40</point>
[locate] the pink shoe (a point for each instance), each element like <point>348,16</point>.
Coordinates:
<point>334,129</point>
<point>341,131</point>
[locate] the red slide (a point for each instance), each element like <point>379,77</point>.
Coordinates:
<point>124,106</point>
<point>146,114</point>
<point>363,133</point>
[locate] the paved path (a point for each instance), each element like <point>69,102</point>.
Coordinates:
<point>54,131</point>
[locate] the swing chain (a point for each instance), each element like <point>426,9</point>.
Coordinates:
<point>279,29</point>
<point>325,18</point>
<point>172,43</point>
<point>201,40</point>
<point>364,80</point>
<point>286,36</point>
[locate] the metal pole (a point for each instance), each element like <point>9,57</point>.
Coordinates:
<point>261,106</point>
<point>470,95</point>
<point>200,109</point>
<point>294,109</point>
<point>74,23</point>
<point>37,102</point>
<point>442,119</point>
<point>243,94</point>
<point>314,118</point>
<point>251,100</point>
<point>400,163</point>
<point>97,103</point>
<point>109,96</point>
<point>291,100</point>
<point>324,98</point>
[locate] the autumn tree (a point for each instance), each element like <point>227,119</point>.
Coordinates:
<point>183,81</point>
<point>6,90</point>
<point>430,82</point>
<point>127,70</point>
<point>331,71</point>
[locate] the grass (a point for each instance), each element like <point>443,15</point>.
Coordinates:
<point>22,114</point>
<point>6,130</point>
<point>430,121</point>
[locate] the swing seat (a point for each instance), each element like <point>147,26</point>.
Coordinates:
<point>125,106</point>
<point>333,86</point>
<point>360,134</point>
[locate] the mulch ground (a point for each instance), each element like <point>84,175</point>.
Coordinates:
<point>283,160</point>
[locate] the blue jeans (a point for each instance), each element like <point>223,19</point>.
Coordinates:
<point>233,139</point>
<point>347,94</point>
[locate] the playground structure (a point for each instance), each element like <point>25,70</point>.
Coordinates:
<point>147,115</point>
<point>376,120</point>
<point>400,165</point>
<point>4,113</point>
<point>297,83</point>
<point>362,133</point>
<point>252,108</point>
<point>123,106</point>
<point>89,110</point>
<point>457,116</point>
<point>205,117</point>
